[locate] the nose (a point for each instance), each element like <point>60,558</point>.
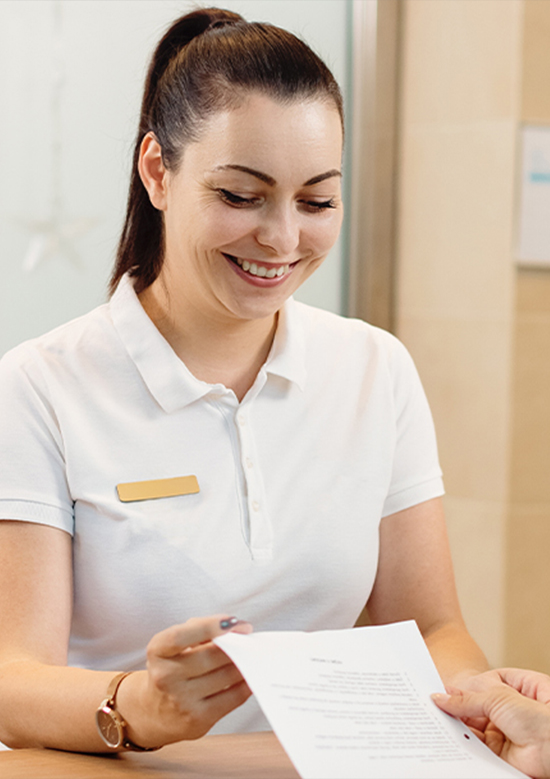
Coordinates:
<point>279,231</point>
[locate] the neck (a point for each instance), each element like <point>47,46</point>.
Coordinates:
<point>216,349</point>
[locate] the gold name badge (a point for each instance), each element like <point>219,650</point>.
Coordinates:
<point>157,488</point>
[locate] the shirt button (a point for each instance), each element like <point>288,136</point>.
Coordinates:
<point>249,462</point>
<point>255,505</point>
<point>241,420</point>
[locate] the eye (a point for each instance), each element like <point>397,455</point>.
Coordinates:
<point>236,200</point>
<point>315,205</point>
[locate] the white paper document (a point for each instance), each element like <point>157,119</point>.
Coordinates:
<point>354,704</point>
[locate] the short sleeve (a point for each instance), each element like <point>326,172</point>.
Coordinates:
<point>416,473</point>
<point>33,483</point>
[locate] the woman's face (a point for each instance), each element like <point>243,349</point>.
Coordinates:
<point>254,207</point>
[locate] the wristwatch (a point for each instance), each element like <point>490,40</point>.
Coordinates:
<point>110,724</point>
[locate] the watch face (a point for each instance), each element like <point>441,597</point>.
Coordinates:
<point>109,728</point>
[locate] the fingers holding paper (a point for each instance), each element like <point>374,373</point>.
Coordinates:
<point>190,683</point>
<point>531,684</point>
<point>516,727</point>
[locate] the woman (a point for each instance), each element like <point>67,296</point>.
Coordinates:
<point>310,475</point>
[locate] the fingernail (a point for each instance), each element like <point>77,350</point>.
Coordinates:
<point>230,622</point>
<point>440,696</point>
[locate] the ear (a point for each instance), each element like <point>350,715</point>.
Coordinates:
<point>152,171</point>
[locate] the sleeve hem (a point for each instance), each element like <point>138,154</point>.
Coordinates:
<point>433,488</point>
<point>41,513</point>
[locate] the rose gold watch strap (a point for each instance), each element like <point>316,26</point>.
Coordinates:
<point>114,685</point>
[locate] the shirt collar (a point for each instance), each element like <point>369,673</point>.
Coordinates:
<point>169,381</point>
<point>288,353</point>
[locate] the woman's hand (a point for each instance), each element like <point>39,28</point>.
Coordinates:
<point>508,709</point>
<point>189,684</point>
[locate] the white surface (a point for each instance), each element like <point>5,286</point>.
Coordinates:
<point>534,208</point>
<point>352,704</point>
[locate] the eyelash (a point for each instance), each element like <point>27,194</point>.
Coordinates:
<point>236,200</point>
<point>242,202</point>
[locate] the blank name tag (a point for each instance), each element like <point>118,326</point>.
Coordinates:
<point>157,488</point>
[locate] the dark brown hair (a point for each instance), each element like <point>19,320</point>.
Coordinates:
<point>203,64</point>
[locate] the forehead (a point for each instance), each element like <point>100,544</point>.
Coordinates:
<point>301,137</point>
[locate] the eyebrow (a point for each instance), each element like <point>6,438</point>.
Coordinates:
<point>271,181</point>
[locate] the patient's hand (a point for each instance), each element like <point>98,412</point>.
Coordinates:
<point>509,709</point>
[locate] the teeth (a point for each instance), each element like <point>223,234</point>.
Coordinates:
<point>261,270</point>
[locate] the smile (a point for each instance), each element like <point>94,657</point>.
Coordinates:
<point>262,271</point>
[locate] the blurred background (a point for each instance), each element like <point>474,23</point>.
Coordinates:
<point>446,240</point>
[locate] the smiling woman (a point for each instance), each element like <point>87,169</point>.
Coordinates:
<point>251,211</point>
<point>203,445</point>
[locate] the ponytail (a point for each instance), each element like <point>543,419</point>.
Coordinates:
<point>140,250</point>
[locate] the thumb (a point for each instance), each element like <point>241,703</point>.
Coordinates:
<point>461,704</point>
<point>501,704</point>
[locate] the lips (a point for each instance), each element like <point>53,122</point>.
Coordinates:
<point>259,270</point>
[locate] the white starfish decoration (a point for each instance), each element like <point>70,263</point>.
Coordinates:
<point>55,237</point>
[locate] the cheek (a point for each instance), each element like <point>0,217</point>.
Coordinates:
<point>324,236</point>
<point>224,226</point>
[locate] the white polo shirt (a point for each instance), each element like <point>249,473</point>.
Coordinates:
<point>334,434</point>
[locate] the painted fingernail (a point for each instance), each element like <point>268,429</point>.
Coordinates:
<point>230,622</point>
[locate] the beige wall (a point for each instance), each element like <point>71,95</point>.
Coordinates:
<point>527,636</point>
<point>460,103</point>
<point>528,554</point>
<point>477,326</point>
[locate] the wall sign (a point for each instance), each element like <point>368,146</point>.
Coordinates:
<point>534,205</point>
